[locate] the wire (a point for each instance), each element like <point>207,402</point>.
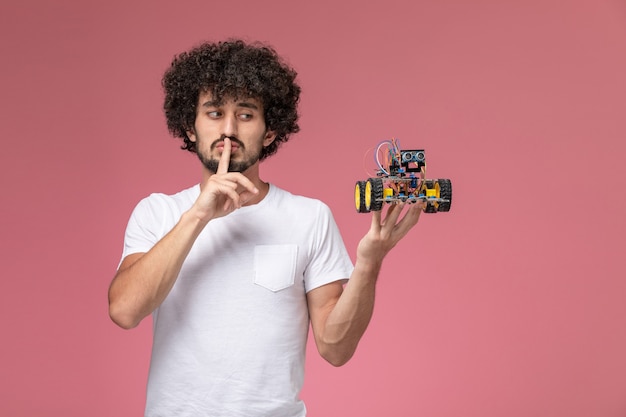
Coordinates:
<point>388,155</point>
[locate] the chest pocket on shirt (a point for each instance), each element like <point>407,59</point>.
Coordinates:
<point>275,266</point>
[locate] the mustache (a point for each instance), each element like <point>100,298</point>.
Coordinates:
<point>233,139</point>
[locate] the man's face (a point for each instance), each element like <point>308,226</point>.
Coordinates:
<point>242,121</point>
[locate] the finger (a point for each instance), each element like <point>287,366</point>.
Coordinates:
<point>233,186</point>
<point>246,196</point>
<point>222,167</point>
<point>239,182</point>
<point>412,215</point>
<point>407,222</point>
<point>376,221</point>
<point>229,194</point>
<point>393,213</point>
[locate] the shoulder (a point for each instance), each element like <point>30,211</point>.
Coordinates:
<point>305,213</point>
<point>161,206</point>
<point>182,199</point>
<point>154,216</point>
<point>285,198</point>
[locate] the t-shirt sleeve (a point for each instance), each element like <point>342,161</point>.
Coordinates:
<point>330,260</point>
<point>144,228</point>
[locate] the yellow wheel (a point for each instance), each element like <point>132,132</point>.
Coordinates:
<point>359,197</point>
<point>440,189</point>
<point>374,194</point>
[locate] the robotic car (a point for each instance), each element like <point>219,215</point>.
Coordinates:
<point>401,177</point>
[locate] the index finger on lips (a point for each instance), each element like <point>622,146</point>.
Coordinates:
<point>222,167</point>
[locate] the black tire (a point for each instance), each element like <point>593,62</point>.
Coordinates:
<point>359,197</point>
<point>376,197</point>
<point>430,208</point>
<point>445,192</point>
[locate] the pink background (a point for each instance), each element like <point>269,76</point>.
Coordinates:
<point>513,304</point>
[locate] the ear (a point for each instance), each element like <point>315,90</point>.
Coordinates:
<point>191,134</point>
<point>270,135</point>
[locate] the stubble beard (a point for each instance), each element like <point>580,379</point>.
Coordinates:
<point>211,163</point>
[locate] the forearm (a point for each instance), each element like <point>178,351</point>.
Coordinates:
<point>351,315</point>
<point>340,318</point>
<point>142,283</point>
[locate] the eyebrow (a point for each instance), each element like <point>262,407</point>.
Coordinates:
<point>246,104</point>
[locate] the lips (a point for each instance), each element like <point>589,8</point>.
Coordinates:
<point>233,146</point>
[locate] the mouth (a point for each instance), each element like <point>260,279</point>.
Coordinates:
<point>234,145</point>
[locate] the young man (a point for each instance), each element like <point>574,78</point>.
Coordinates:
<point>234,269</point>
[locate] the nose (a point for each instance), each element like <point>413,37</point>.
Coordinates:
<point>229,127</point>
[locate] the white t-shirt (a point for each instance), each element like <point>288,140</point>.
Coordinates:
<point>230,338</point>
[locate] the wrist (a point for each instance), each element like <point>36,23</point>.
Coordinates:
<point>194,218</point>
<point>368,264</point>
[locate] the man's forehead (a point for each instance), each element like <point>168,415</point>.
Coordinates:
<point>206,99</point>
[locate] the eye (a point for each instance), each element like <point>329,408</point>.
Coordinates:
<point>214,114</point>
<point>245,116</point>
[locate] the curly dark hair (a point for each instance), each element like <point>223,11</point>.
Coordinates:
<point>232,69</point>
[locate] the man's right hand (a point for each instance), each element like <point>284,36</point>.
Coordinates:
<point>223,192</point>
<point>143,280</point>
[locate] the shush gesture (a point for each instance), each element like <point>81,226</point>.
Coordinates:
<point>223,192</point>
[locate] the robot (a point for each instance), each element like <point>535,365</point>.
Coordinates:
<point>401,177</point>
